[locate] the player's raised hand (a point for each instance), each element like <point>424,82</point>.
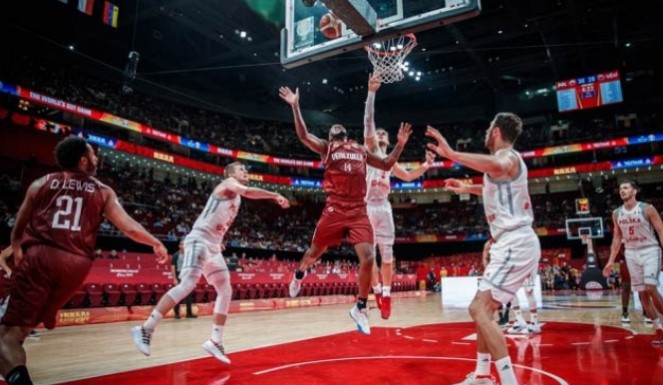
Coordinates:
<point>404,133</point>
<point>455,185</point>
<point>282,201</point>
<point>430,158</point>
<point>292,98</point>
<point>374,82</point>
<point>442,148</point>
<point>4,256</point>
<point>161,253</point>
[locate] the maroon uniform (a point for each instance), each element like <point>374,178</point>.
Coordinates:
<point>345,184</point>
<point>58,246</point>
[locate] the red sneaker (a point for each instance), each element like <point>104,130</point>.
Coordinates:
<point>386,307</point>
<point>658,338</point>
<point>378,300</point>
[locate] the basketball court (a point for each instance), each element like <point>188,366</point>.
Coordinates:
<point>582,340</point>
<point>582,343</point>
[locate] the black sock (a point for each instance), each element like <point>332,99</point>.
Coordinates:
<point>18,376</point>
<point>625,310</point>
<point>361,303</point>
<point>299,274</point>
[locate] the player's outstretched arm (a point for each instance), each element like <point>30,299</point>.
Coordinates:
<point>23,218</point>
<point>232,185</point>
<point>311,141</point>
<point>370,141</point>
<point>410,175</point>
<point>132,229</point>
<point>460,187</point>
<point>615,246</point>
<point>655,220</point>
<point>387,163</point>
<point>497,164</point>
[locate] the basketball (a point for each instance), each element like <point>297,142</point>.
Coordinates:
<point>330,26</point>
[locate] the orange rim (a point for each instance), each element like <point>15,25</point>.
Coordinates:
<point>411,43</point>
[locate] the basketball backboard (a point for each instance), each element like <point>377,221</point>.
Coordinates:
<point>591,226</point>
<point>302,42</point>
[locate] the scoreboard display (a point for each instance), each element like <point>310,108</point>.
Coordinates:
<point>589,91</point>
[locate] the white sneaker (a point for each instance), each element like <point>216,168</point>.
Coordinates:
<point>648,321</point>
<point>295,286</point>
<point>217,351</point>
<point>142,339</point>
<point>534,328</point>
<point>625,318</point>
<point>518,328</point>
<point>361,318</point>
<point>472,380</point>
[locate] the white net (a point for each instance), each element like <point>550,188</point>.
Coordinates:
<point>387,57</point>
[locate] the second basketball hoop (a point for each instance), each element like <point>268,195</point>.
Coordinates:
<point>387,56</point>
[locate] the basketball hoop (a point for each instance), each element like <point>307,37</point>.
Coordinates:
<point>387,56</point>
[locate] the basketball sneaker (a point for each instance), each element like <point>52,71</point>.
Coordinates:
<point>625,318</point>
<point>216,350</point>
<point>295,287</point>
<point>385,310</point>
<point>648,321</point>
<point>142,339</point>
<point>473,379</point>
<point>378,300</point>
<point>518,328</point>
<point>534,328</point>
<point>361,318</point>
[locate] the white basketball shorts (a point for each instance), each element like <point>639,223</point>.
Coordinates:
<point>644,265</point>
<point>514,260</point>
<point>382,221</point>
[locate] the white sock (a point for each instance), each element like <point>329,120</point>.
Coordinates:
<point>483,364</point>
<point>152,321</point>
<point>534,318</point>
<point>505,370</point>
<point>519,317</point>
<point>217,333</point>
<point>657,323</point>
<point>377,289</point>
<point>386,291</point>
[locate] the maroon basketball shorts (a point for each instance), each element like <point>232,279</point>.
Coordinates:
<point>41,284</point>
<point>337,221</point>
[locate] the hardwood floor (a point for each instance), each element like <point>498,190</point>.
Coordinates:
<point>75,352</point>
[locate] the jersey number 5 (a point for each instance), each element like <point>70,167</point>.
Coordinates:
<point>63,217</point>
<point>631,230</point>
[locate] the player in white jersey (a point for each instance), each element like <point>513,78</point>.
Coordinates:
<point>377,197</point>
<point>516,251</point>
<point>202,255</point>
<point>634,224</point>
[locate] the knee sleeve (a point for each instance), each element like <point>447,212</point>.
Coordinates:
<point>188,281</point>
<point>386,252</point>
<point>221,282</point>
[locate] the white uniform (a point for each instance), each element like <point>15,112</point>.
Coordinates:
<point>514,257</point>
<point>202,247</point>
<point>641,249</point>
<point>378,206</point>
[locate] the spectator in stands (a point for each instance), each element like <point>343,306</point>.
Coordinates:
<point>113,255</point>
<point>176,268</point>
<point>53,246</point>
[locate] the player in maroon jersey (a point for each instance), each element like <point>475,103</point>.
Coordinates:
<point>53,247</point>
<point>345,210</point>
